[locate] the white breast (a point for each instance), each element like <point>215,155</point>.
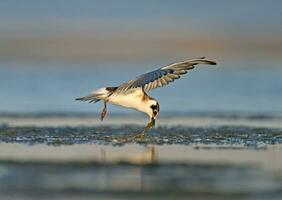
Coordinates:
<point>131,100</point>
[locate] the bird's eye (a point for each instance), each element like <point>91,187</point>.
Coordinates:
<point>154,107</point>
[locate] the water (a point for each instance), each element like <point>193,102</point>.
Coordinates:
<point>227,146</point>
<point>202,14</point>
<point>87,171</point>
<point>125,181</point>
<point>34,87</point>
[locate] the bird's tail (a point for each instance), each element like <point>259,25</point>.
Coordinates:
<point>96,95</point>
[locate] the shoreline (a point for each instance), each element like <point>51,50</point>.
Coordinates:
<point>169,121</point>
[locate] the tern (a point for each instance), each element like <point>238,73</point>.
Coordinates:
<point>133,93</point>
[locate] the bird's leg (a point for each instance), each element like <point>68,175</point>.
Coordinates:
<point>150,125</point>
<point>104,112</point>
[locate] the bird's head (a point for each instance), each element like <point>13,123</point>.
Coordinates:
<point>153,108</point>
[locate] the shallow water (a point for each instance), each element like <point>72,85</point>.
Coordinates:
<point>132,171</point>
<point>126,181</point>
<point>52,87</point>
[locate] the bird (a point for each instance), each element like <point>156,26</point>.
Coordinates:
<point>133,94</point>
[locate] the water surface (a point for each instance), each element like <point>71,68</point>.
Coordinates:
<point>52,87</point>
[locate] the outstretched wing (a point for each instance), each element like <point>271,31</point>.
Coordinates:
<point>163,75</point>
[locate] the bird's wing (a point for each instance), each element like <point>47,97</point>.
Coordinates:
<point>163,75</point>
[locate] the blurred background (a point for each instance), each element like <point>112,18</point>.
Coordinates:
<point>228,146</point>
<point>54,51</point>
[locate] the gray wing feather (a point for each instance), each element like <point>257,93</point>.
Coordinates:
<point>163,75</point>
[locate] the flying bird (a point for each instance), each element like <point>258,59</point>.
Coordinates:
<point>133,93</point>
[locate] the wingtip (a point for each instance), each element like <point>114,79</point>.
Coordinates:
<point>212,62</point>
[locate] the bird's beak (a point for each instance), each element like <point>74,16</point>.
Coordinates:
<point>154,115</point>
